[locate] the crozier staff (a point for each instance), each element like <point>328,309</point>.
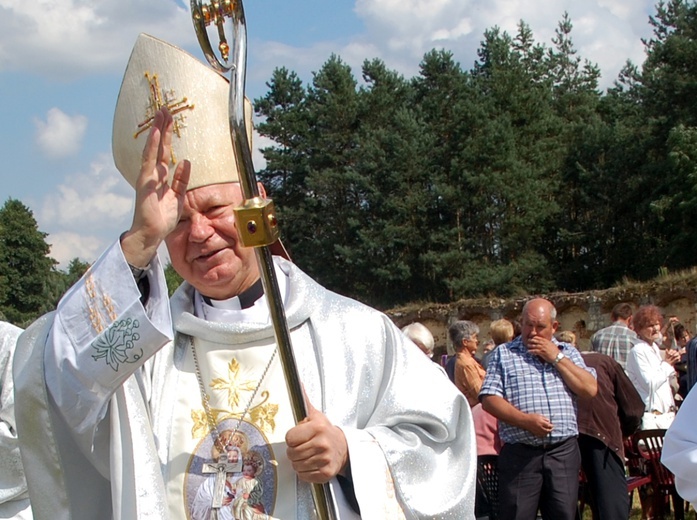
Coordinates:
<point>139,391</point>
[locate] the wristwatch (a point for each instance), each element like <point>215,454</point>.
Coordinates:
<point>557,359</point>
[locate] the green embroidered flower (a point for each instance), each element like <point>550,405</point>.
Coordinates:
<point>116,344</point>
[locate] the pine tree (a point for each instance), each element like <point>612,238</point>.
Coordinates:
<point>393,161</point>
<point>321,192</point>
<point>25,267</point>
<point>284,121</point>
<point>668,89</point>
<point>582,134</point>
<point>513,163</point>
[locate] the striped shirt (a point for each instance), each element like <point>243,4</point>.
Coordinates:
<point>533,386</point>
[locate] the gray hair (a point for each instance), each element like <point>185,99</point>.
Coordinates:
<point>460,330</point>
<point>420,335</point>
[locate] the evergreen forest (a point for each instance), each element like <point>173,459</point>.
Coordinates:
<point>518,176</point>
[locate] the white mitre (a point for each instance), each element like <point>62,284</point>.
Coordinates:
<point>160,74</point>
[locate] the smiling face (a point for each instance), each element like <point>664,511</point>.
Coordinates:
<point>204,247</point>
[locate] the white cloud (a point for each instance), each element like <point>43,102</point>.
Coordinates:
<point>92,198</point>
<point>97,36</point>
<point>60,135</point>
<point>67,38</point>
<point>400,32</point>
<point>68,245</point>
<point>271,54</point>
<point>606,32</point>
<point>86,212</point>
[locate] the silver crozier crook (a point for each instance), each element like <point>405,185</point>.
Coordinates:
<point>255,219</point>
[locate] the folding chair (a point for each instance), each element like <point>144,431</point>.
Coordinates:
<point>649,445</point>
<point>488,482</point>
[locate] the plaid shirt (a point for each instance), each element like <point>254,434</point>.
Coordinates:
<point>615,341</point>
<point>532,386</point>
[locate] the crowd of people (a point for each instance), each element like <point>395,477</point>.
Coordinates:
<point>549,410</point>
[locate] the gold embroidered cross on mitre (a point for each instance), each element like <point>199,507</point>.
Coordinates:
<point>159,98</point>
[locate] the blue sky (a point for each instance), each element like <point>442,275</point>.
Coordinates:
<point>62,61</point>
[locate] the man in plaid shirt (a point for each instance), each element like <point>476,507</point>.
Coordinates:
<point>618,339</point>
<point>531,386</point>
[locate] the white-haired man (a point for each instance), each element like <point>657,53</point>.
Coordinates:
<point>138,389</point>
<point>419,334</point>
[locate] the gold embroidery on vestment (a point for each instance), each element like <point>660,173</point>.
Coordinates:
<point>262,414</point>
<point>93,306</point>
<point>100,306</point>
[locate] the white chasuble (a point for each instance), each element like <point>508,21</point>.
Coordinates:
<point>109,410</point>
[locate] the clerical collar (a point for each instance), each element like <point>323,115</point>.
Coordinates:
<point>242,301</point>
<point>228,311</point>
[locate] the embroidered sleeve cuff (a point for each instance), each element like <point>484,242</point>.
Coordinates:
<point>104,330</point>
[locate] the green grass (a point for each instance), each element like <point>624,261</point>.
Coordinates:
<point>635,513</point>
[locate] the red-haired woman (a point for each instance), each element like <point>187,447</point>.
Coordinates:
<point>650,373</point>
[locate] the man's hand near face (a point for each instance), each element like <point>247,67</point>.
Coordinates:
<point>544,348</point>
<point>158,205</point>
